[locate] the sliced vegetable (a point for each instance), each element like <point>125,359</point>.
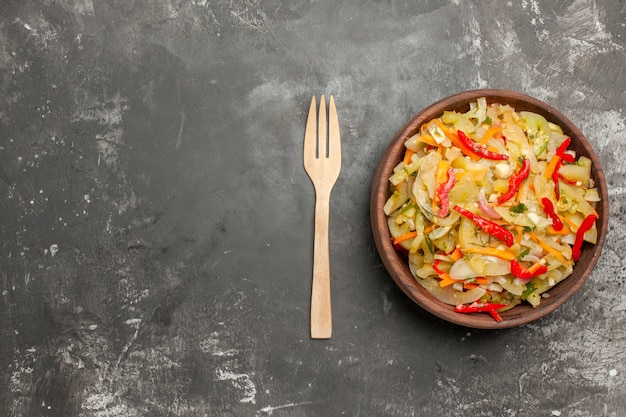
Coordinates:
<point>446,279</point>
<point>479,149</point>
<point>403,237</point>
<point>496,316</point>
<point>476,307</point>
<point>554,251</point>
<point>548,208</point>
<point>485,207</point>
<point>556,162</point>
<point>488,226</point>
<point>560,151</point>
<point>443,192</point>
<point>515,181</point>
<point>580,235</point>
<point>491,132</point>
<point>502,254</point>
<point>520,272</point>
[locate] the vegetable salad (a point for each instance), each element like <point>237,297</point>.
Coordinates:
<point>491,207</point>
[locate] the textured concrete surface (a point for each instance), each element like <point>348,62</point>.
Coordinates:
<point>156,221</point>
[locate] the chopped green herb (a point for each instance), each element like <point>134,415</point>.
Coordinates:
<point>543,148</point>
<point>519,208</point>
<point>429,243</point>
<point>524,253</point>
<point>530,288</point>
<point>407,207</point>
<point>488,120</point>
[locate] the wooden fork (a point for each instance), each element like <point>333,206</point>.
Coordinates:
<point>322,161</point>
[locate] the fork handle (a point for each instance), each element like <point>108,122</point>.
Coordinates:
<point>321,317</point>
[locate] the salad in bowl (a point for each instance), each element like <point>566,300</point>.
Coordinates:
<point>490,207</point>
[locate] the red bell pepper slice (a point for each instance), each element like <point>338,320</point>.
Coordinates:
<point>488,226</point>
<point>567,157</point>
<point>478,307</point>
<point>555,178</point>
<point>436,268</point>
<point>520,272</point>
<point>515,181</point>
<point>442,193</point>
<point>548,208</point>
<point>580,235</point>
<point>496,316</point>
<point>446,279</point>
<point>485,307</point>
<point>560,152</point>
<point>480,149</point>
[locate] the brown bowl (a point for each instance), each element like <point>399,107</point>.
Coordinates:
<point>395,262</point>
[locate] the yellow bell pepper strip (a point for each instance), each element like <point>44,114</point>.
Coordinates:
<point>403,237</point>
<point>427,139</point>
<point>441,173</point>
<point>580,235</point>
<point>548,208</point>
<point>477,307</point>
<point>552,166</point>
<point>446,281</point>
<point>563,232</point>
<point>502,254</point>
<point>442,193</point>
<point>407,156</point>
<point>430,228</point>
<point>481,280</point>
<point>515,181</point>
<point>519,233</point>
<point>456,254</point>
<point>548,248</point>
<point>558,157</point>
<point>479,149</point>
<point>488,226</point>
<point>520,272</point>
<point>491,132</point>
<point>570,223</point>
<point>555,164</point>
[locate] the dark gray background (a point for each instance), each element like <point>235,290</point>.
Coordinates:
<point>156,220</point>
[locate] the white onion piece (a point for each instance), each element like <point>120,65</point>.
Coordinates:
<point>485,207</point>
<point>495,287</point>
<point>461,269</point>
<point>531,258</point>
<point>496,266</point>
<point>450,296</point>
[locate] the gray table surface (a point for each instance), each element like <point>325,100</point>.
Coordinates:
<point>156,220</point>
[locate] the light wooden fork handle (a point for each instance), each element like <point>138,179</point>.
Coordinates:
<point>321,317</point>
